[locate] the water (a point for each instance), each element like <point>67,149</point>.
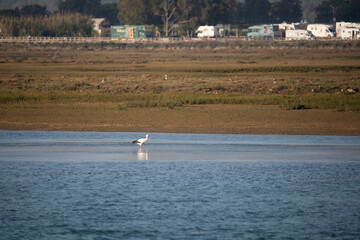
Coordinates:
<point>88,185</point>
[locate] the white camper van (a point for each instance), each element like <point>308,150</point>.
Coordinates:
<point>292,26</point>
<point>350,33</point>
<point>208,32</point>
<point>287,26</point>
<point>322,30</point>
<point>298,35</point>
<point>340,26</point>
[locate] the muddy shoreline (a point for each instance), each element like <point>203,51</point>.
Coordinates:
<point>219,119</point>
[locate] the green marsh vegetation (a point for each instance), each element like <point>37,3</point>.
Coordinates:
<point>173,76</point>
<point>341,102</point>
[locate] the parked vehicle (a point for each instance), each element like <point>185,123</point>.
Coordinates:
<point>298,35</point>
<point>350,33</point>
<point>292,26</point>
<point>264,32</point>
<point>286,26</point>
<point>322,30</point>
<point>208,32</point>
<point>340,26</point>
<point>130,32</point>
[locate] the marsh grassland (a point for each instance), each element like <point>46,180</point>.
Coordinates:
<point>269,90</point>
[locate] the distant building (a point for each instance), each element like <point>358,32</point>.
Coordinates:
<point>130,32</point>
<point>99,24</point>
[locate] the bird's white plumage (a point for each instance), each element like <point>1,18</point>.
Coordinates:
<point>141,141</point>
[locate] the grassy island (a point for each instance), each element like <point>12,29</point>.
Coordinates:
<point>205,88</point>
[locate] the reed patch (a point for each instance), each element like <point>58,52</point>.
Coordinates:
<point>341,102</point>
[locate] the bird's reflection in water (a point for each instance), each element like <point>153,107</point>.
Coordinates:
<point>142,154</point>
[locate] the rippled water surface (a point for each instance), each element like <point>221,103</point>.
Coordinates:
<point>89,185</point>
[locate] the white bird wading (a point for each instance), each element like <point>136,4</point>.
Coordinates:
<point>141,141</point>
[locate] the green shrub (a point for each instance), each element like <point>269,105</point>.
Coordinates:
<point>342,102</point>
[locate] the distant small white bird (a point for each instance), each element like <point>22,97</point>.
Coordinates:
<point>141,141</point>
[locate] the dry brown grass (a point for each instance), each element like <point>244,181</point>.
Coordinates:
<point>90,85</point>
<point>236,71</point>
<point>230,119</point>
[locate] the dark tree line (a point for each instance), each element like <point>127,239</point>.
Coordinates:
<point>91,8</point>
<point>54,25</point>
<point>339,10</point>
<point>185,15</point>
<point>27,11</point>
<point>287,10</point>
<point>199,12</point>
<point>74,18</point>
<point>194,12</point>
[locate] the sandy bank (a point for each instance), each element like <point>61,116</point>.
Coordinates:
<point>226,119</point>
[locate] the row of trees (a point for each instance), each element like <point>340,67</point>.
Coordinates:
<point>74,18</point>
<point>91,7</point>
<point>209,11</point>
<point>200,12</point>
<point>73,24</point>
<point>27,11</point>
<point>84,7</point>
<point>192,13</point>
<point>339,10</point>
<point>184,14</point>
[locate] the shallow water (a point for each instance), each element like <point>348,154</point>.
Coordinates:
<point>90,185</point>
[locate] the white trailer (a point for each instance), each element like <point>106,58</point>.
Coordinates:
<point>286,26</point>
<point>208,32</point>
<point>298,35</point>
<point>292,26</point>
<point>322,30</point>
<point>350,33</point>
<point>341,25</point>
